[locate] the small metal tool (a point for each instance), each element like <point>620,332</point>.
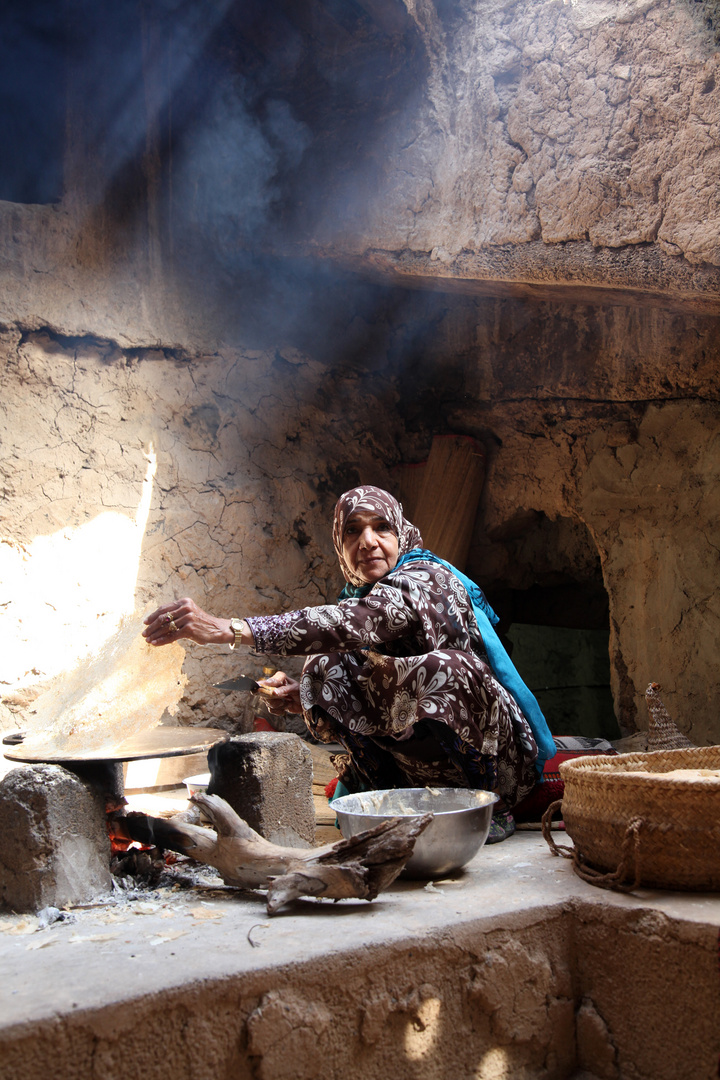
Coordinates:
<point>245,682</point>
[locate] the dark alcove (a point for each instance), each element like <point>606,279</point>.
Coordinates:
<point>545,581</point>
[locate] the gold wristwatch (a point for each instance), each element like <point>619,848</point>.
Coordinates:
<point>236,625</point>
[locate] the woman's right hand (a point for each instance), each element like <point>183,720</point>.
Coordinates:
<point>184,619</point>
<point>286,696</point>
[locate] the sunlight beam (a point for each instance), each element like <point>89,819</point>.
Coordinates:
<point>63,595</point>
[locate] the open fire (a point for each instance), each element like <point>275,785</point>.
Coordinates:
<point>63,822</point>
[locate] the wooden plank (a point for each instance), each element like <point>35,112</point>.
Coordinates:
<point>324,815</point>
<point>323,768</point>
<point>327,834</point>
<point>452,484</point>
<point>407,486</point>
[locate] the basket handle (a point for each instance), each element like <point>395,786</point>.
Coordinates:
<point>629,856</point>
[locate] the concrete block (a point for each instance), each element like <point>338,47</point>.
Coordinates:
<point>266,776</point>
<point>54,845</point>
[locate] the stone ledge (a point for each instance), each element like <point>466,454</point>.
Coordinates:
<point>573,272</point>
<point>481,976</point>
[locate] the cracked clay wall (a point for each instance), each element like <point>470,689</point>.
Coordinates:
<point>605,420</point>
<point>553,142</point>
<point>178,413</point>
<point>526,146</point>
<point>607,417</point>
<point>251,447</point>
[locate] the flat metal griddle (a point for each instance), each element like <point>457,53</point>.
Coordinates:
<point>159,742</point>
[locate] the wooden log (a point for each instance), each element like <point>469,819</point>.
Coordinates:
<point>359,868</point>
<point>451,488</point>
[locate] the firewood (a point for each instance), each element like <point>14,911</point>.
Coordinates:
<point>359,868</point>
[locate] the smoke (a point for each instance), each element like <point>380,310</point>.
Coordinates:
<point>32,101</point>
<point>127,63</point>
<point>225,177</point>
<point>228,134</point>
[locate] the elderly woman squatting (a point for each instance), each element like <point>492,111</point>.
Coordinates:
<point>406,671</point>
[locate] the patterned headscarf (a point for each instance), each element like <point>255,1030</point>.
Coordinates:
<point>379,502</point>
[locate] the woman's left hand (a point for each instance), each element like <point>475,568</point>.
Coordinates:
<point>184,619</point>
<point>286,698</point>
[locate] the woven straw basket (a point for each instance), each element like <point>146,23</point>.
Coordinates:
<point>634,825</point>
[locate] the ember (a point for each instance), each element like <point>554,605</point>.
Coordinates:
<point>120,839</point>
<point>139,861</point>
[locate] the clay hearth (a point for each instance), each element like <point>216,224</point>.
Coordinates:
<point>516,969</point>
<point>56,822</point>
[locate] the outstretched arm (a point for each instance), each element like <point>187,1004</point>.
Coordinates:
<point>184,619</point>
<point>384,614</point>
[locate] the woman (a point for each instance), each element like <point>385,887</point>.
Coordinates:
<point>406,670</point>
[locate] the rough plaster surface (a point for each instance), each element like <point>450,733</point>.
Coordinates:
<point>540,146</point>
<point>54,847</point>
<point>510,972</point>
<point>650,504</point>
<point>239,510</point>
<point>609,418</point>
<point>591,125</point>
<point>566,146</point>
<point>601,430</point>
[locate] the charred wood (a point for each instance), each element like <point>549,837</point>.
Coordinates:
<point>358,868</point>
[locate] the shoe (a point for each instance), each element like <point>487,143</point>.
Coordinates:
<point>501,826</point>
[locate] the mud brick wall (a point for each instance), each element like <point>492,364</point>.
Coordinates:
<point>236,314</point>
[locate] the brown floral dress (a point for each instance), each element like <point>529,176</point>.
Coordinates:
<point>400,678</point>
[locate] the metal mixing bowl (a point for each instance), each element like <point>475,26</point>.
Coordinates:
<point>456,833</point>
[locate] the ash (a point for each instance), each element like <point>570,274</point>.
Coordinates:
<point>141,886</point>
<point>141,874</point>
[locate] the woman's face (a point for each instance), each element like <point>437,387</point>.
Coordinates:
<point>370,546</point>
